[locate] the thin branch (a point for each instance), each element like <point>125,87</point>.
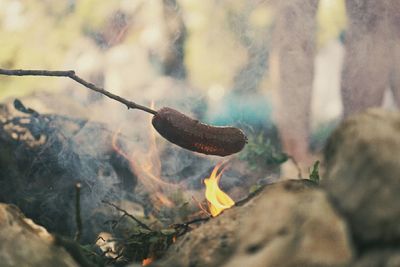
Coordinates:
<point>78,218</point>
<point>182,228</point>
<point>71,74</point>
<point>128,214</point>
<point>197,220</point>
<point>201,207</point>
<point>296,164</point>
<point>250,196</point>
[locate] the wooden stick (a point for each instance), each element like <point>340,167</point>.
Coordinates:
<point>71,74</point>
<point>127,214</point>
<point>78,218</point>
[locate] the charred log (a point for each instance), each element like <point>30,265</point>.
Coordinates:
<point>44,156</point>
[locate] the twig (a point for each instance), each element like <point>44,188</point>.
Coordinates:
<point>250,196</point>
<point>71,74</point>
<point>78,218</point>
<point>99,238</point>
<point>119,255</point>
<point>198,220</point>
<point>296,164</point>
<point>201,207</point>
<point>127,214</point>
<point>108,250</point>
<point>114,224</point>
<point>185,225</point>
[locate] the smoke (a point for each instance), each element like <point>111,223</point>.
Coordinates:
<point>251,63</point>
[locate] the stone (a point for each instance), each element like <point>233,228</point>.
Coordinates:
<point>208,245</point>
<point>24,243</point>
<point>362,162</point>
<point>381,257</point>
<point>291,223</point>
<point>292,226</point>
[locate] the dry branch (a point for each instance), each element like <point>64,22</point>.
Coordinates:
<point>71,74</point>
<point>78,218</point>
<point>127,214</point>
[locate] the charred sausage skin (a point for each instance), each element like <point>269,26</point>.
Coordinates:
<point>196,136</point>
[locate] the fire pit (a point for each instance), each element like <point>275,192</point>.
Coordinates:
<point>90,183</point>
<point>183,133</point>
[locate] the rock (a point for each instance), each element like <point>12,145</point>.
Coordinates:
<point>382,258</point>
<point>209,245</point>
<point>24,243</point>
<point>290,224</point>
<point>363,175</point>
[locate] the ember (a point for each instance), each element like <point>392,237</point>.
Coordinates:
<point>217,199</point>
<point>147,261</point>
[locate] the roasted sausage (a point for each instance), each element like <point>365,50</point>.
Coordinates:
<point>196,136</point>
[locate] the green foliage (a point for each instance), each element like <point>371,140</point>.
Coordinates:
<point>140,244</point>
<point>262,154</point>
<point>314,172</point>
<point>143,243</point>
<point>254,188</point>
<point>84,255</point>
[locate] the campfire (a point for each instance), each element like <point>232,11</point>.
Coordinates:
<point>184,133</point>
<point>159,210</point>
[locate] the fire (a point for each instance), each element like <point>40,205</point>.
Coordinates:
<point>147,261</point>
<point>146,164</point>
<point>217,199</point>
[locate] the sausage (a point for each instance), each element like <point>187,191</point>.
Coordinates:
<point>196,136</point>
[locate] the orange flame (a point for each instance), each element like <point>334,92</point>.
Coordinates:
<point>217,199</point>
<point>147,261</point>
<point>147,167</point>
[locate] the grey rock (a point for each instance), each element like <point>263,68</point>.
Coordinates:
<point>209,245</point>
<point>290,223</point>
<point>362,176</point>
<point>24,243</point>
<point>381,258</point>
<point>292,226</point>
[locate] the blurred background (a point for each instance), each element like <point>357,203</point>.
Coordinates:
<point>214,51</point>
<point>274,69</point>
<point>286,72</point>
